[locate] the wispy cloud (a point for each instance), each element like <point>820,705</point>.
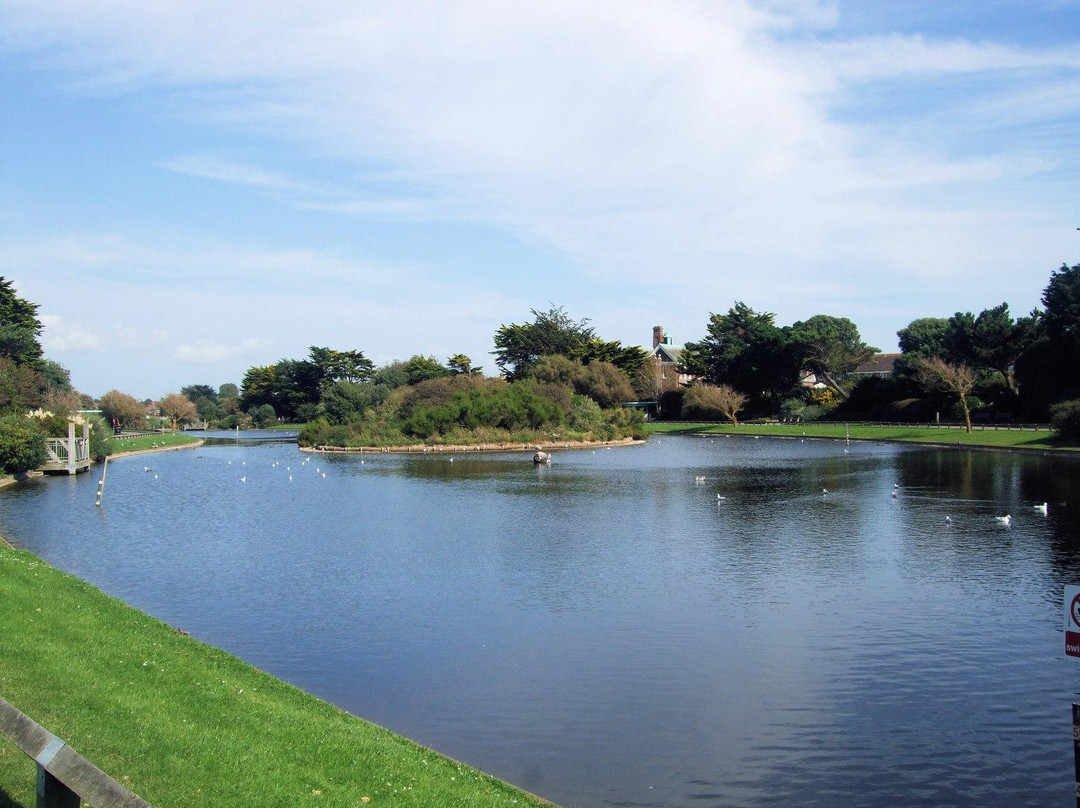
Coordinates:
<point>717,151</point>
<point>204,351</point>
<point>223,170</point>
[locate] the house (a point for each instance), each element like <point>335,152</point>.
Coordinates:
<point>881,367</point>
<point>666,358</point>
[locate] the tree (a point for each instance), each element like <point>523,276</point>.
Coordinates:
<point>22,444</point>
<point>830,346</point>
<point>712,402</point>
<point>421,368</point>
<point>19,327</point>
<point>924,337</point>
<point>461,364</point>
<point>120,409</point>
<point>605,384</point>
<point>1045,372</point>
<point>21,386</point>
<point>193,392</point>
<point>263,416</point>
<point>178,409</point>
<point>208,409</point>
<point>937,374</point>
<point>746,350</point>
<point>228,390</point>
<point>517,347</point>
<point>350,366</point>
<point>1061,298</point>
<point>994,340</point>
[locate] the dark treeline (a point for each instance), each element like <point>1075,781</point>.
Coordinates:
<point>989,365</point>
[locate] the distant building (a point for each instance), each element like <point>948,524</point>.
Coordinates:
<point>881,367</point>
<point>666,356</point>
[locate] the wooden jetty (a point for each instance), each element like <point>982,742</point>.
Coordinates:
<point>68,455</point>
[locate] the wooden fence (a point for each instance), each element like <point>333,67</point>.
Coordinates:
<point>64,777</point>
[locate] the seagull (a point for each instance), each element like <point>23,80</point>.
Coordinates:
<point>1005,520</point>
<point>290,478</point>
<point>720,498</point>
<point>1041,509</point>
<point>243,479</point>
<point>700,478</point>
<point>824,491</point>
<point>948,520</point>
<point>894,494</point>
<point>896,485</point>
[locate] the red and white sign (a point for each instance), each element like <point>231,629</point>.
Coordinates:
<point>1072,621</point>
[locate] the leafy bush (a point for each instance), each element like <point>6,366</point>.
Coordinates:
<point>815,412</point>
<point>514,407</point>
<point>585,415</point>
<point>22,444</point>
<point>1065,419</point>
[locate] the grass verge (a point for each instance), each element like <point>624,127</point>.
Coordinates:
<point>183,724</point>
<point>988,438</point>
<point>165,440</point>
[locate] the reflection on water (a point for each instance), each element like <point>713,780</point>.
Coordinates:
<point>608,630</point>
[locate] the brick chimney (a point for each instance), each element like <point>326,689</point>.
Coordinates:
<point>657,336</point>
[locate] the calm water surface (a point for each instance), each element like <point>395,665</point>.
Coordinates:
<point>605,631</point>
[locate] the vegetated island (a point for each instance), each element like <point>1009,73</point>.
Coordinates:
<point>182,723</point>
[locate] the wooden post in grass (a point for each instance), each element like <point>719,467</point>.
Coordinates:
<point>64,777</point>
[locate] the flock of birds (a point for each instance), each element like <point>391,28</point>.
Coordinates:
<point>1003,521</point>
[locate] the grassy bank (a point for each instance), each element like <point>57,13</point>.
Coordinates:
<point>989,438</point>
<point>184,724</point>
<point>146,443</point>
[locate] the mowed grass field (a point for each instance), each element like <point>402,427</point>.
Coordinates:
<point>989,438</point>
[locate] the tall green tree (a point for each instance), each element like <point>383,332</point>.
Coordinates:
<point>349,366</point>
<point>1045,373</point>
<point>20,327</point>
<point>993,340</point>
<point>829,347</point>
<point>517,347</point>
<point>421,368</point>
<point>193,392</point>
<point>745,349</point>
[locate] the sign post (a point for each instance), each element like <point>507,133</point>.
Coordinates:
<point>1072,651</point>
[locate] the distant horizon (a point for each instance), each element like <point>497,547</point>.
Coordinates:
<point>404,180</point>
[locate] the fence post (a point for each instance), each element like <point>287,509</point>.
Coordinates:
<point>51,793</point>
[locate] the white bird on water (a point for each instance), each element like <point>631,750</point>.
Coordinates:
<point>1005,520</point>
<point>1041,509</point>
<point>700,478</point>
<point>243,479</point>
<point>824,491</point>
<point>720,498</point>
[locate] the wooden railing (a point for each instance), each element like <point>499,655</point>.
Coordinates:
<point>64,777</point>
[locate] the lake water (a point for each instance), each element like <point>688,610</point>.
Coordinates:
<point>605,631</point>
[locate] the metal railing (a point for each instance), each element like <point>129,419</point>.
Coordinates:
<point>64,777</point>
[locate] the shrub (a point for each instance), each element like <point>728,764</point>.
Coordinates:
<point>1065,419</point>
<point>22,444</point>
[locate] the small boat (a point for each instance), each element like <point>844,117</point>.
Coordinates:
<point>541,457</point>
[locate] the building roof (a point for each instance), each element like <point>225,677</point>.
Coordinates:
<point>668,353</point>
<point>881,363</point>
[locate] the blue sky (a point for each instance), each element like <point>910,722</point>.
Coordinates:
<point>191,188</point>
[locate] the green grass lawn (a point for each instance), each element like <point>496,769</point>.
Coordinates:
<point>1000,439</point>
<point>184,724</point>
<point>121,444</point>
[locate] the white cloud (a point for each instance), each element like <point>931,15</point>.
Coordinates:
<point>206,351</point>
<point>705,147</point>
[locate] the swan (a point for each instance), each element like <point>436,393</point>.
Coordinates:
<point>1005,520</point>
